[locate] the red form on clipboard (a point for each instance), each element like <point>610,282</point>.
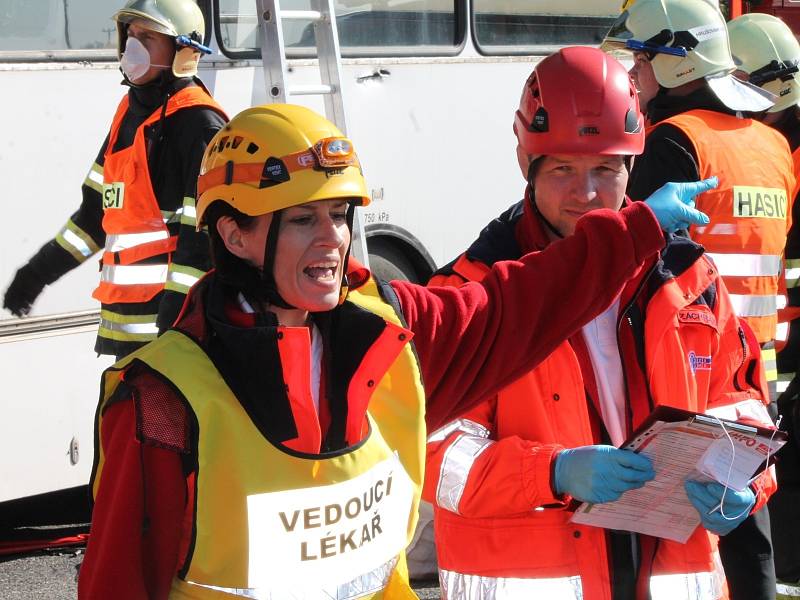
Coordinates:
<point>682,445</point>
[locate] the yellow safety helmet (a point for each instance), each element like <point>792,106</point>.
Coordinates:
<point>765,48</point>
<point>686,40</point>
<point>271,157</point>
<point>179,19</point>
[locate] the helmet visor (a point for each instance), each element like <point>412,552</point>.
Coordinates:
<point>618,35</point>
<point>159,24</point>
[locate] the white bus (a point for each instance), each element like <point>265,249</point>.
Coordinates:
<point>430,89</point>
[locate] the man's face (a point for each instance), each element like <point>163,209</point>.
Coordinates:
<point>568,186</point>
<point>161,48</point>
<point>644,79</point>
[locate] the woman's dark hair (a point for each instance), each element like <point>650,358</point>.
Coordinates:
<point>229,268</point>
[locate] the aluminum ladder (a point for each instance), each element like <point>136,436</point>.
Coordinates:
<point>274,62</point>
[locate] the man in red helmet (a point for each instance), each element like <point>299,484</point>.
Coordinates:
<point>503,477</point>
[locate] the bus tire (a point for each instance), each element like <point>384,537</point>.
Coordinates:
<point>388,262</point>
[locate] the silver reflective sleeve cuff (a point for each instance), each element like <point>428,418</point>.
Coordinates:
<point>455,469</point>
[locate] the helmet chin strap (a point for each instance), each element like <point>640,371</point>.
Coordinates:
<point>269,288</point>
<point>532,194</point>
<point>539,214</point>
<point>345,285</point>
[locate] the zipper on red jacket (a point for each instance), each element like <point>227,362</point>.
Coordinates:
<point>624,314</point>
<point>628,409</point>
<point>743,342</point>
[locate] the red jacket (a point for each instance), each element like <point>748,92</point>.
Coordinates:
<point>488,475</point>
<point>145,497</point>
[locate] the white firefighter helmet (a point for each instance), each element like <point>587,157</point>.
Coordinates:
<point>686,40</point>
<point>765,48</point>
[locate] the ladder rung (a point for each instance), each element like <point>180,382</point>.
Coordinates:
<point>301,15</point>
<point>310,90</point>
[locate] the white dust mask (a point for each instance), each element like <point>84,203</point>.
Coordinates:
<point>135,61</point>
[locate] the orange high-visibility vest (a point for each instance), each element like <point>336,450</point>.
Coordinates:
<point>132,220</point>
<point>750,210</point>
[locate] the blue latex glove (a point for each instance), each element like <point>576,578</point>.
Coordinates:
<point>673,204</point>
<point>706,497</point>
<point>600,473</point>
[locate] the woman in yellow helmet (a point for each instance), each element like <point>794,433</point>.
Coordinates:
<point>271,444</point>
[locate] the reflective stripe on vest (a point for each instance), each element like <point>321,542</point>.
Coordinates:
<point>358,587</point>
<point>134,274</point>
<point>457,463</point>
<point>750,210</point>
<point>746,265</point>
<point>754,306</point>
<point>123,241</point>
<point>458,586</point>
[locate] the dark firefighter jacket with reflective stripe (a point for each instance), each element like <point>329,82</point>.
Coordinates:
<point>175,150</point>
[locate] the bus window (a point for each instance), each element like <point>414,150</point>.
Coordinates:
<point>56,25</point>
<point>379,28</point>
<point>82,27</point>
<point>536,26</point>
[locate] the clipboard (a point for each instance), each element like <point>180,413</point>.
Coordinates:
<point>670,414</point>
<point>682,445</point>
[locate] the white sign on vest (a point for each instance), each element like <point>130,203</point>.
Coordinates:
<point>330,534</point>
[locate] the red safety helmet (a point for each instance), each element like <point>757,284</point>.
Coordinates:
<point>578,100</point>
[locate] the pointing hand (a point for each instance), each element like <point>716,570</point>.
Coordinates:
<point>673,204</point>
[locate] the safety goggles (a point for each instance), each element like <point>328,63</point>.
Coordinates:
<point>772,71</point>
<point>184,41</point>
<point>328,154</point>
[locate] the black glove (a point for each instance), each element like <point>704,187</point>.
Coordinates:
<point>23,291</point>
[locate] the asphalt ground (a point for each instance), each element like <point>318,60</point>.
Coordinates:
<point>53,576</point>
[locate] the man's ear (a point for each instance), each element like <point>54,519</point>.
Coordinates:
<point>231,235</point>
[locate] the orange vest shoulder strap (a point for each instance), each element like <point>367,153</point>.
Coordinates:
<point>193,95</point>
<point>122,108</point>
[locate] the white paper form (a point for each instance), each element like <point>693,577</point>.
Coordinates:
<point>660,508</point>
<point>696,448</point>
